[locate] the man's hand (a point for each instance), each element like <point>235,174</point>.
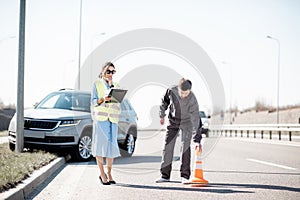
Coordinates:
<point>198,147</point>
<point>162,121</point>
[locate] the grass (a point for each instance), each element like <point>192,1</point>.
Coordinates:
<point>3,133</point>
<point>15,167</point>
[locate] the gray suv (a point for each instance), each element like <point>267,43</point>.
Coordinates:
<point>62,120</point>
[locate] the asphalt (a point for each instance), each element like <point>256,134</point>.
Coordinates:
<point>27,187</point>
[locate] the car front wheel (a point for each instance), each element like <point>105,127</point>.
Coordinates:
<point>128,146</point>
<point>83,151</point>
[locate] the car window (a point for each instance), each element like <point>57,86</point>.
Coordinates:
<point>129,106</point>
<point>123,107</point>
<point>69,101</point>
<point>202,114</point>
<point>49,102</point>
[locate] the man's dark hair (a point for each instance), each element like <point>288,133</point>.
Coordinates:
<point>185,84</point>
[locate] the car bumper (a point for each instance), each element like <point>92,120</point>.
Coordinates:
<point>64,136</point>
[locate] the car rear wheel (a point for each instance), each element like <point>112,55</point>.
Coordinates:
<point>83,151</point>
<point>128,146</point>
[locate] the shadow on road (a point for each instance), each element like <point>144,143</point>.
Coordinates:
<point>221,188</point>
<point>187,188</point>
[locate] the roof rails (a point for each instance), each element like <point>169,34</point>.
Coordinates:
<point>65,89</point>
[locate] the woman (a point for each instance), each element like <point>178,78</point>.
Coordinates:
<point>105,123</point>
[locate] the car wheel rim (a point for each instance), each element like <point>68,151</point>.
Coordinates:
<point>130,144</point>
<point>85,147</point>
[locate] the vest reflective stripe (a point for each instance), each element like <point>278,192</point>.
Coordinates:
<point>100,114</point>
<point>106,111</point>
<point>115,106</point>
<point>104,114</point>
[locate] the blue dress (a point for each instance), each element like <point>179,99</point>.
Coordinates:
<point>104,143</point>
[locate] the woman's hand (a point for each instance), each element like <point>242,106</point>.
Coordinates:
<point>103,99</point>
<point>108,98</point>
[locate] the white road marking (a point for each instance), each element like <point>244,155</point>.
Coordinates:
<point>271,164</point>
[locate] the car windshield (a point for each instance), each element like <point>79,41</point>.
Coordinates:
<point>67,101</point>
<point>202,114</point>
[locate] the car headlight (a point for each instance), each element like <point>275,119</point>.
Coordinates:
<point>71,122</point>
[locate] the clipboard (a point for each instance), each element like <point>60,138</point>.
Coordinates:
<point>117,95</point>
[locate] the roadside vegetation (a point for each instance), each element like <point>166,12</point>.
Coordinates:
<point>15,167</point>
<point>3,133</point>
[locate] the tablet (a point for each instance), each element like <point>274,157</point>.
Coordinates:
<point>117,95</point>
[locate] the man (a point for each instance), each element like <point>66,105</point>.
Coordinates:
<point>184,116</point>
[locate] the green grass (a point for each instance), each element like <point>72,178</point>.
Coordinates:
<point>3,133</point>
<point>15,167</point>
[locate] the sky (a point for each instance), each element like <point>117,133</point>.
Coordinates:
<point>231,32</point>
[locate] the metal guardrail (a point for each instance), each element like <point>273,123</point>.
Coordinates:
<point>290,129</point>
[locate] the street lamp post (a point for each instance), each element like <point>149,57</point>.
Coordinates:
<point>79,46</point>
<point>278,75</point>
<point>20,89</point>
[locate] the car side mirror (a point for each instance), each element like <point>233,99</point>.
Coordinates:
<point>35,105</point>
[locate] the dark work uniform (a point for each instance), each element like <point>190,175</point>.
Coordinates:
<point>184,116</point>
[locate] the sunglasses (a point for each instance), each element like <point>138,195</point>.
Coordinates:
<point>110,72</point>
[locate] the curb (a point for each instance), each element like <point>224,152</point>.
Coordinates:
<point>27,186</point>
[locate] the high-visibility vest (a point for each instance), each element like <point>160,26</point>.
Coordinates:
<point>106,111</point>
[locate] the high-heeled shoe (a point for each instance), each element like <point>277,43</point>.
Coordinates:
<point>104,183</point>
<point>112,181</point>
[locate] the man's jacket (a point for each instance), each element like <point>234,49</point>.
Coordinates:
<point>183,112</point>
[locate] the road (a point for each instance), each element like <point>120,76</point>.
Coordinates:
<point>236,168</point>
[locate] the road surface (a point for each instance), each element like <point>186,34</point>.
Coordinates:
<point>236,168</point>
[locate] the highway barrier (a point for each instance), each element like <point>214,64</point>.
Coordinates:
<point>262,130</point>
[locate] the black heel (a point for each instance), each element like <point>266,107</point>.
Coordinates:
<point>111,182</point>
<point>106,183</point>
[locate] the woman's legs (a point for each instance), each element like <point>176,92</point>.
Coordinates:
<point>100,163</point>
<point>109,168</point>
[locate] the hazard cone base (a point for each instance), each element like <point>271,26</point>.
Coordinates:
<point>199,180</point>
<point>198,171</point>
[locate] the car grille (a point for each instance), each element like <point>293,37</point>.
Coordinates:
<point>48,139</point>
<point>34,124</point>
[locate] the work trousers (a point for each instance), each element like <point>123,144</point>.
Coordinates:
<point>168,151</point>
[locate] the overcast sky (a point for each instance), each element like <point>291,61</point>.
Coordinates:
<point>232,32</point>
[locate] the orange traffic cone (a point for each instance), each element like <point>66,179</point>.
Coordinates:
<point>198,172</point>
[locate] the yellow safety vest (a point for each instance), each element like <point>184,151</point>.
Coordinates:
<point>106,111</point>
